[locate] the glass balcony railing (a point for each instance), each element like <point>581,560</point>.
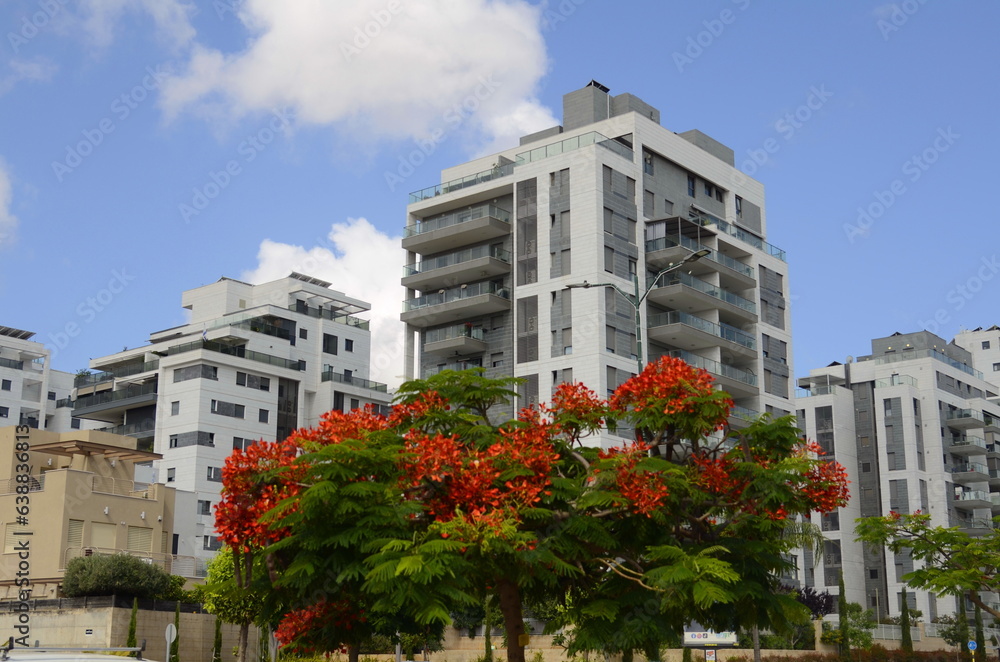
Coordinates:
<point>967,441</point>
<point>707,288</point>
<point>341,378</point>
<point>571,144</point>
<point>744,413</point>
<point>452,332</point>
<point>462,182</point>
<point>108,397</point>
<point>969,467</point>
<point>965,413</point>
<point>742,235</point>
<point>922,354</point>
<point>715,367</point>
<point>895,380</point>
<point>11,363</point>
<point>456,218</point>
<point>458,257</point>
<point>237,350</point>
<point>327,314</point>
<point>724,331</point>
<point>670,241</point>
<point>457,366</point>
<point>973,495</point>
<point>823,389</point>
<point>123,371</point>
<point>456,294</point>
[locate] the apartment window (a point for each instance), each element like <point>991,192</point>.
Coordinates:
<point>668,206</point>
<point>212,543</point>
<point>719,195</point>
<point>329,344</point>
<point>496,360</point>
<point>263,415</point>
<point>691,186</point>
<point>708,189</point>
<point>171,474</point>
<point>204,507</point>
<point>241,444</point>
<point>303,334</point>
<point>630,189</point>
<point>215,474</point>
<point>253,381</point>
<point>5,385</point>
<point>348,345</point>
<point>228,409</point>
<point>632,230</point>
<point>986,345</point>
<point>739,206</point>
<point>52,394</point>
<point>5,413</point>
<point>873,573</point>
<point>607,178</point>
<point>609,221</point>
<point>996,367</point>
<point>75,423</point>
<point>175,407</point>
<point>609,259</point>
<point>647,163</point>
<point>355,403</point>
<point>200,371</point>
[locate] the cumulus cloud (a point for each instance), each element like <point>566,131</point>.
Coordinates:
<point>390,68</point>
<point>8,222</point>
<point>99,19</point>
<point>361,262</point>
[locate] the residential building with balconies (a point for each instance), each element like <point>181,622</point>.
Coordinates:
<point>75,494</point>
<point>610,196</point>
<point>917,427</point>
<point>254,362</point>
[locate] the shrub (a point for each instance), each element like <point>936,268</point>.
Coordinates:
<point>118,574</point>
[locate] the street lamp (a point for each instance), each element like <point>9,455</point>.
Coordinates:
<point>636,300</point>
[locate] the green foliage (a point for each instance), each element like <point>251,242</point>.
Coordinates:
<point>117,574</point>
<point>857,626</point>
<point>980,637</point>
<point>222,597</point>
<point>844,641</point>
<point>130,641</point>
<point>217,641</point>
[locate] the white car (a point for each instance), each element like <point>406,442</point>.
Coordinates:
<point>11,653</point>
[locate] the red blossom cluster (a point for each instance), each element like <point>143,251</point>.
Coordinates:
<point>670,383</point>
<point>643,491</point>
<point>247,494</point>
<point>825,487</point>
<point>298,628</point>
<point>336,426</point>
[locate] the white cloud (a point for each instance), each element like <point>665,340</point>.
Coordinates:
<point>8,222</point>
<point>99,19</point>
<point>18,70</point>
<point>361,262</point>
<point>391,68</point>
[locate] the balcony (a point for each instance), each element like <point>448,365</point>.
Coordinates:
<point>973,526</point>
<point>964,419</point>
<point>456,268</point>
<point>970,472</point>
<point>126,488</point>
<point>462,183</point>
<point>995,500</point>
<point>571,144</point>
<point>994,478</point>
<point>671,249</point>
<point>235,350</point>
<point>458,339</point>
<point>329,314</point>
<point>683,292</point>
<point>973,499</point>
<point>966,445</point>
<point>456,366</point>
<point>457,303</point>
<point>738,383</point>
<point>820,389</point>
<point>743,235</point>
<point>114,403</point>
<point>686,331</point>
<point>92,379</point>
<point>11,363</point>
<point>461,228</point>
<point>143,430</point>
<point>351,380</point>
<point>741,417</point>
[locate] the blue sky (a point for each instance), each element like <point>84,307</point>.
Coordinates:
<point>152,146</point>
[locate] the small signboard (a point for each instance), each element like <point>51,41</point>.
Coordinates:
<point>710,655</point>
<point>89,632</point>
<point>972,645</point>
<point>709,638</point>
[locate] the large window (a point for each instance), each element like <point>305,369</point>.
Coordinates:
<point>253,381</point>
<point>227,409</point>
<point>329,343</point>
<point>215,474</point>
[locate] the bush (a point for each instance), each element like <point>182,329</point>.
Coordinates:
<point>119,574</point>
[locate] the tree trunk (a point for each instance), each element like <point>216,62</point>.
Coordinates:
<point>510,607</point>
<point>353,653</point>
<point>241,646</point>
<point>756,644</point>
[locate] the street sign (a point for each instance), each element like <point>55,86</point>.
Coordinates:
<point>972,645</point>
<point>170,634</point>
<point>710,655</point>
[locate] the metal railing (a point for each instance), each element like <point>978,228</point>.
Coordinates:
<point>973,495</point>
<point>107,397</point>
<point>462,182</point>
<point>452,332</point>
<point>34,483</point>
<point>124,488</point>
<point>124,371</point>
<point>457,218</point>
<point>968,441</point>
<point>723,331</point>
<point>969,467</point>
<point>715,367</point>
<point>671,240</point>
<point>341,378</point>
<point>709,289</point>
<point>744,413</point>
<point>742,235</point>
<point>327,314</point>
<point>456,294</point>
<point>458,257</point>
<point>572,144</point>
<point>895,380</point>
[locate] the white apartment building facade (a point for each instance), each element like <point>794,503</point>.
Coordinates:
<point>610,196</point>
<point>917,427</point>
<point>255,362</point>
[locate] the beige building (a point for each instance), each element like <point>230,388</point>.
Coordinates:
<point>64,495</point>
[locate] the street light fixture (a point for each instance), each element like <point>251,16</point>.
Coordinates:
<point>636,300</point>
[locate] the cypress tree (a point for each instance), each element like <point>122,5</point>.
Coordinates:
<point>845,642</point>
<point>175,645</point>
<point>217,641</point>
<point>130,641</point>
<point>980,637</point>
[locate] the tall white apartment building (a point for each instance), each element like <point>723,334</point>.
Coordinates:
<point>255,362</point>
<point>984,345</point>
<point>917,426</point>
<point>610,196</point>
<point>31,392</point>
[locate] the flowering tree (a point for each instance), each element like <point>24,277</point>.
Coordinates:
<point>434,507</point>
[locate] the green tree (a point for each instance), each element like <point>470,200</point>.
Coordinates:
<point>176,643</point>
<point>860,624</point>
<point>904,624</point>
<point>115,574</point>
<point>953,562</point>
<point>980,637</point>
<point>217,641</point>
<point>439,505</point>
<point>843,623</point>
<point>130,641</point>
<point>233,604</point>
